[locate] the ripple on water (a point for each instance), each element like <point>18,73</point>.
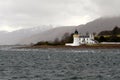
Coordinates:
<point>59,64</point>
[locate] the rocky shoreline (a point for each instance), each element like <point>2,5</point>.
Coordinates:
<point>96,46</point>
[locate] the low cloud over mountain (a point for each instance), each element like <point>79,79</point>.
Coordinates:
<point>94,26</point>
<point>33,35</point>
<point>10,38</point>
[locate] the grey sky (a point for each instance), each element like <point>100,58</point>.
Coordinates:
<point>16,14</point>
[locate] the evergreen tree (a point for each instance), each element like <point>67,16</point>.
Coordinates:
<point>102,39</point>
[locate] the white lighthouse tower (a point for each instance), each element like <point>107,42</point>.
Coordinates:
<point>76,40</point>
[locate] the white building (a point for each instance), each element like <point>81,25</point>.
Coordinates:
<point>80,39</point>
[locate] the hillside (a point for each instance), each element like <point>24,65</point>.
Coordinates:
<point>114,31</point>
<point>97,26</point>
<point>47,33</point>
<point>10,38</point>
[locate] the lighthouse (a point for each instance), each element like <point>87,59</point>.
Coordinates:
<point>76,39</point>
<point>81,39</point>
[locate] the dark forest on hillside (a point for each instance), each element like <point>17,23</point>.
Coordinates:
<point>103,36</point>
<point>109,36</point>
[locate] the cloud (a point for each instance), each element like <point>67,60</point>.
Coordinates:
<point>29,13</point>
<point>107,7</point>
<point>9,28</point>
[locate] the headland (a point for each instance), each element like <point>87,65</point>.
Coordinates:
<point>95,46</point>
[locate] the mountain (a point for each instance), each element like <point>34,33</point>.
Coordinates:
<point>10,38</point>
<point>2,36</point>
<point>97,26</point>
<point>49,35</point>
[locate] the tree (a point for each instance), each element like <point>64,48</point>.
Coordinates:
<point>115,30</point>
<point>114,38</point>
<point>56,41</point>
<point>102,39</point>
<point>67,38</point>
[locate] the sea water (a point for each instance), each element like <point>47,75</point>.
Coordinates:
<point>59,64</point>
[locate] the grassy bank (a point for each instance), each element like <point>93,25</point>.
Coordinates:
<point>95,46</point>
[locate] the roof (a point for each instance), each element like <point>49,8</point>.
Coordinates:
<point>84,36</point>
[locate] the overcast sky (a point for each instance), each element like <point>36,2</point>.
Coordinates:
<point>17,14</point>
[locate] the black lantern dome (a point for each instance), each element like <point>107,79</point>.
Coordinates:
<point>76,32</point>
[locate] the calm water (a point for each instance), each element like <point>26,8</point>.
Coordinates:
<point>59,64</point>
